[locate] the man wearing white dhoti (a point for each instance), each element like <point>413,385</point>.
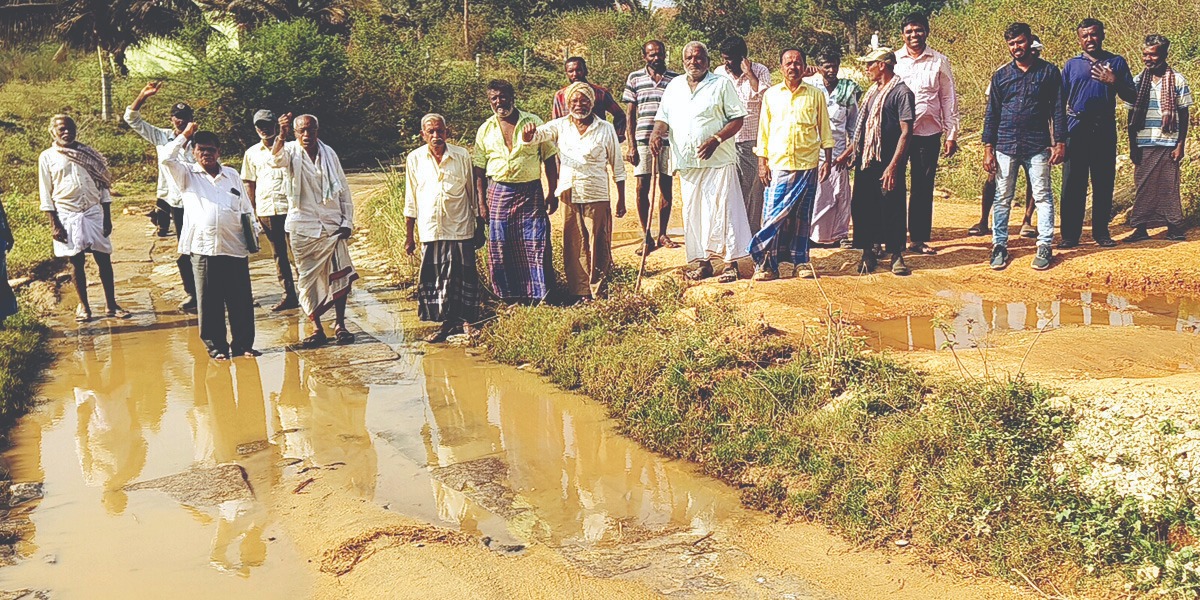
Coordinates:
<point>831,210</point>
<point>701,113</point>
<point>73,185</point>
<point>319,221</point>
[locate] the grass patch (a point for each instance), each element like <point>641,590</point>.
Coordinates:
<point>24,355</point>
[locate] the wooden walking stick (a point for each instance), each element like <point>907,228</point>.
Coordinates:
<point>637,287</point>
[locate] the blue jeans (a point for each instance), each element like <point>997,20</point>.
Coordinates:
<point>1037,169</point>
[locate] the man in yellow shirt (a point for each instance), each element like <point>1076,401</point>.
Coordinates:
<point>793,129</point>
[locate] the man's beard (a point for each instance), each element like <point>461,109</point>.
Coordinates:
<point>696,72</point>
<point>503,113</point>
<point>580,115</point>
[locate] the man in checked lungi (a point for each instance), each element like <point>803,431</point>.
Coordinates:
<point>793,131</point>
<point>508,176</point>
<point>440,204</point>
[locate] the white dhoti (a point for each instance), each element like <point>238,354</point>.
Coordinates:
<point>85,232</point>
<point>714,216</point>
<point>831,209</point>
<point>325,272</point>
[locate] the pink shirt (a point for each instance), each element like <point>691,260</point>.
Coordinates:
<point>929,78</point>
<point>751,98</point>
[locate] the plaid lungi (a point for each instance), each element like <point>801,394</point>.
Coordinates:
<point>1156,179</point>
<point>448,286</point>
<point>519,253</point>
<point>787,215</point>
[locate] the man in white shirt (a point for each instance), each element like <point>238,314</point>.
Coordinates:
<point>265,187</point>
<point>169,203</point>
<point>215,211</point>
<point>73,185</point>
<point>701,112</point>
<point>750,81</point>
<point>587,148</point>
<point>320,219</point>
<point>440,204</point>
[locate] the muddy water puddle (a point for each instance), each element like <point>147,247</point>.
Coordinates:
<point>979,321</point>
<point>163,469</point>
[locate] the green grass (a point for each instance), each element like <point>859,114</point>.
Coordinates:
<point>24,355</point>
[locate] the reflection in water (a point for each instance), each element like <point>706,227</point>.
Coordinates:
<point>979,317</point>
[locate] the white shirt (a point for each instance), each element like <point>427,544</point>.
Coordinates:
<point>258,166</point>
<point>751,97</point>
<point>160,138</point>
<point>842,119</point>
<point>584,159</point>
<point>441,197</point>
<point>212,206</point>
<point>694,117</point>
<point>66,186</point>
<point>309,213</point>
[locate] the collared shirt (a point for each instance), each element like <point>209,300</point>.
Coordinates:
<point>1023,107</point>
<point>521,164</point>
<point>795,127</point>
<point>751,98</point>
<point>270,181</point>
<point>843,115</point>
<point>898,107</point>
<point>641,88</point>
<point>441,197</point>
<point>1089,101</point>
<point>694,117</point>
<point>212,206</point>
<point>584,159</point>
<point>605,104</point>
<point>1152,134</point>
<point>310,213</point>
<point>160,138</point>
<point>66,186</point>
<point>932,85</point>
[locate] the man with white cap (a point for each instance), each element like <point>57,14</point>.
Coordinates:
<point>265,187</point>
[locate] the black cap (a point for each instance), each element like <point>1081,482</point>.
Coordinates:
<point>182,111</point>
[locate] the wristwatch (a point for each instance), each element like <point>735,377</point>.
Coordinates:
<point>717,136</point>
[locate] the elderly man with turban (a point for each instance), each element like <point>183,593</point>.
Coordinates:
<point>587,148</point>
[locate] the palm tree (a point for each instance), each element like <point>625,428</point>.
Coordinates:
<point>331,16</point>
<point>106,27</point>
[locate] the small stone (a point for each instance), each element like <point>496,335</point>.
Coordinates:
<point>50,559</point>
<point>761,579</point>
<point>901,543</point>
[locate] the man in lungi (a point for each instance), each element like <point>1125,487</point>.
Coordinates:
<point>884,127</point>
<point>215,207</point>
<point>508,177</point>
<point>587,148</point>
<point>831,209</point>
<point>169,204</point>
<point>1158,127</point>
<point>701,113</point>
<point>319,221</point>
<point>440,204</point>
<point>73,185</point>
<point>750,81</point>
<point>265,187</point>
<point>793,131</point>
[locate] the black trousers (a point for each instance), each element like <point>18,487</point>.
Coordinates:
<point>279,245</point>
<point>184,261</point>
<point>161,217</point>
<point>223,286</point>
<point>878,216</point>
<point>923,152</point>
<point>1091,152</point>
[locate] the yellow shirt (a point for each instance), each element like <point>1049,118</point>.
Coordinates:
<point>793,127</point>
<point>522,164</point>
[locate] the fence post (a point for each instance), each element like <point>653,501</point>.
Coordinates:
<point>524,59</point>
<point>476,64</point>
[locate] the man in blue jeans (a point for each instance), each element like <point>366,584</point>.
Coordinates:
<point>1024,126</point>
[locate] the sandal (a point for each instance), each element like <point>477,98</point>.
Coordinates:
<point>315,340</point>
<point>82,314</point>
<point>729,275</point>
<point>646,248</point>
<point>118,313</point>
<point>248,353</point>
<point>979,229</point>
<point>342,336</point>
<point>922,248</point>
<point>704,271</point>
<point>665,242</point>
<point>443,332</point>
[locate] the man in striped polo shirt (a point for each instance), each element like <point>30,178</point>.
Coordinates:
<point>643,92</point>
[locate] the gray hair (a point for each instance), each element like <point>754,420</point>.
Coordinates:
<point>60,117</point>
<point>695,44</point>
<point>429,118</point>
<point>297,120</point>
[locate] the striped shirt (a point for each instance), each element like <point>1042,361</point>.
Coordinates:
<point>640,88</point>
<point>1151,135</point>
<point>752,98</point>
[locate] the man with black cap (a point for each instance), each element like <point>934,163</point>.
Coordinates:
<point>168,195</point>
<point>265,186</point>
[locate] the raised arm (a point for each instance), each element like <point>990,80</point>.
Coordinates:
<point>173,161</point>
<point>133,117</point>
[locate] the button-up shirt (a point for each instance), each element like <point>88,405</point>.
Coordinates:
<point>520,164</point>
<point>795,127</point>
<point>160,138</point>
<point>584,158</point>
<point>1089,101</point>
<point>1152,134</point>
<point>605,105</point>
<point>843,110</point>
<point>270,196</point>
<point>1022,109</point>
<point>695,116</point>
<point>642,89</point>
<point>212,206</point>
<point>440,196</point>
<point>310,212</point>
<point>932,85</point>
<point>751,97</point>
<point>66,186</point>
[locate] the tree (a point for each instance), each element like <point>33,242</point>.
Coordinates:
<point>107,28</point>
<point>850,12</point>
<point>718,19</point>
<point>331,16</point>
